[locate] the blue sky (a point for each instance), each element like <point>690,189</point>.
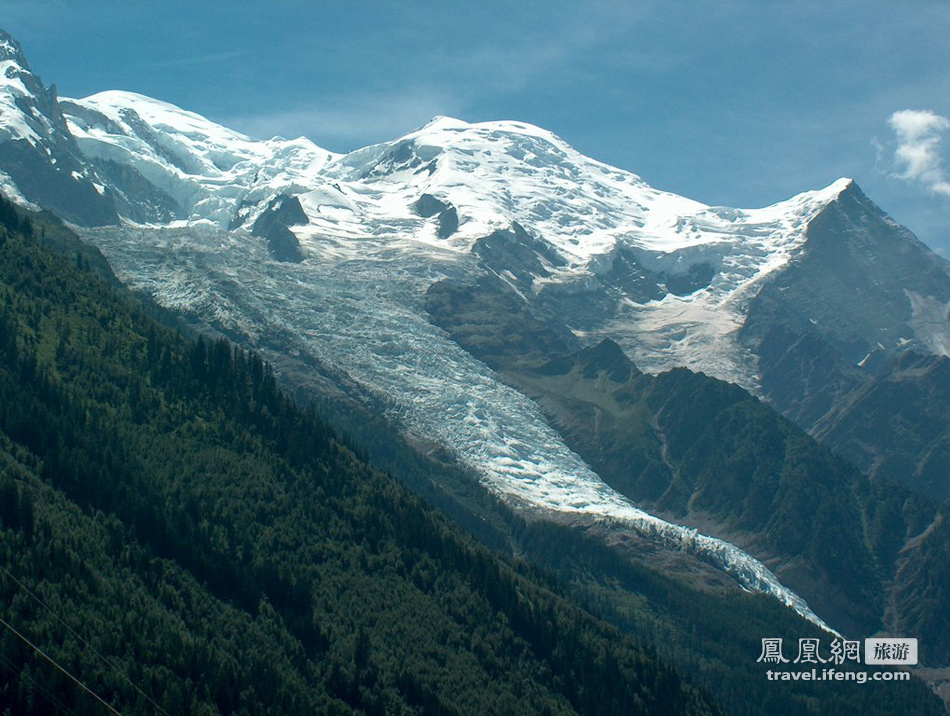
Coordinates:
<point>735,103</point>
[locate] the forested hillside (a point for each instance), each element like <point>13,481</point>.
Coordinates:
<point>179,537</point>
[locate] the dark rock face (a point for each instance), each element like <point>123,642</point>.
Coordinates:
<point>617,278</point>
<point>287,211</point>
<point>448,222</point>
<point>607,357</point>
<point>428,206</point>
<point>51,173</point>
<point>135,197</point>
<point>54,186</point>
<point>830,333</point>
<point>803,375</point>
<point>895,427</point>
<point>627,275</point>
<point>515,253</point>
<point>400,157</point>
<point>273,225</point>
<point>493,323</point>
<point>698,276</point>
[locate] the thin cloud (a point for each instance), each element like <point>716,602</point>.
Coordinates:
<point>347,123</point>
<point>202,59</point>
<point>917,157</point>
<point>438,76</point>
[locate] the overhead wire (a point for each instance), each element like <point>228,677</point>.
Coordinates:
<point>61,668</point>
<point>85,643</point>
<point>36,687</point>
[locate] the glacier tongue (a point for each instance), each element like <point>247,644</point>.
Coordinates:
<point>366,316</point>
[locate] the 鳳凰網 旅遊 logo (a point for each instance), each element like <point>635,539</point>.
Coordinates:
<point>835,661</point>
<point>891,651</point>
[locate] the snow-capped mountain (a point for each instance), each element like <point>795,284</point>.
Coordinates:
<point>327,258</point>
<point>586,221</point>
<point>671,279</point>
<point>39,159</point>
<point>201,169</point>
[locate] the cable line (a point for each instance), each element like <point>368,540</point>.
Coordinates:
<point>37,687</point>
<point>85,643</point>
<point>62,669</point>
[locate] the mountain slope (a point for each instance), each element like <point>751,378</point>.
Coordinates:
<point>705,453</point>
<point>175,515</point>
<point>362,211</point>
<point>864,288</point>
<point>894,426</point>
<point>205,532</point>
<point>836,335</point>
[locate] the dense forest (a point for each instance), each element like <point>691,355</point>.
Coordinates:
<point>179,536</point>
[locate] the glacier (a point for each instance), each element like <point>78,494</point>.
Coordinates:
<point>366,317</point>
<point>356,300</point>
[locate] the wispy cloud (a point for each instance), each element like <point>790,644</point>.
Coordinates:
<point>436,77</point>
<point>199,59</point>
<point>343,123</point>
<point>917,157</point>
<point>502,73</point>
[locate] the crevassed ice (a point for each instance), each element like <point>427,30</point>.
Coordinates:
<point>357,302</point>
<point>366,316</point>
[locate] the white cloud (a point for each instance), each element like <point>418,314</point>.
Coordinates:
<point>917,157</point>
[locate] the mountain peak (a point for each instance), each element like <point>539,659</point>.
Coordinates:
<point>510,127</point>
<point>10,50</point>
<point>161,116</point>
<point>839,186</point>
<point>830,193</point>
<point>442,121</point>
<point>607,356</point>
<point>37,151</point>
